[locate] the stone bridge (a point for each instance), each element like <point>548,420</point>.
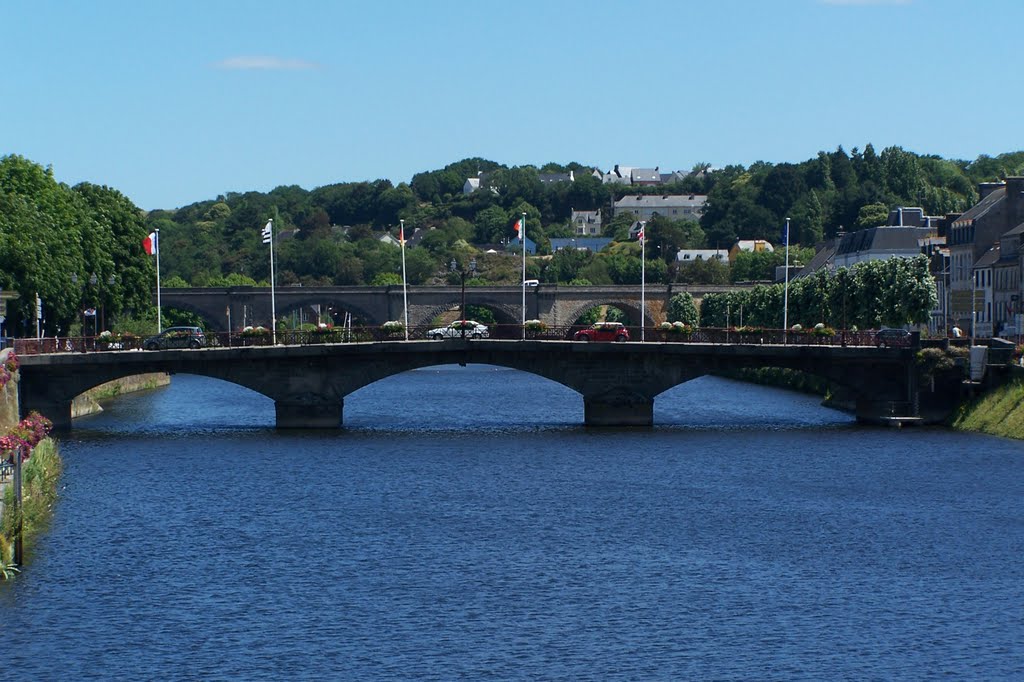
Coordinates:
<point>371,306</point>
<point>618,382</point>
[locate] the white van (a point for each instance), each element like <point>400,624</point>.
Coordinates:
<point>531,282</point>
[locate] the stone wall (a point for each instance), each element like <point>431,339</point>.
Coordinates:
<point>89,402</point>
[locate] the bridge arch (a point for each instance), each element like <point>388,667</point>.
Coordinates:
<point>329,305</point>
<point>203,314</point>
<point>504,315</point>
<point>631,308</point>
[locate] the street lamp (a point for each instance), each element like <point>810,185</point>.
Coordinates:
<point>93,279</point>
<point>462,275</point>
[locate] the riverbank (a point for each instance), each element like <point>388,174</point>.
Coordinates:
<point>41,469</point>
<point>90,401</point>
<point>999,412</point>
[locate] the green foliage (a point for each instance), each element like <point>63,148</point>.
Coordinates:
<point>172,317</point>
<point>681,308</point>
<point>480,314</point>
<point>330,235</point>
<point>893,292</point>
<point>701,271</point>
<point>384,279</point>
<point>872,215</point>
<point>40,475</point>
<point>998,412</point>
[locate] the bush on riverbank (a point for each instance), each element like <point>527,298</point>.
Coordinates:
<point>1000,412</point>
<point>40,473</point>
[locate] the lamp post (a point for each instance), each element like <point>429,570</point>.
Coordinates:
<point>103,301</point>
<point>93,279</point>
<point>454,265</point>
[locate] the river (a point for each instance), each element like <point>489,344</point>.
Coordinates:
<point>464,525</point>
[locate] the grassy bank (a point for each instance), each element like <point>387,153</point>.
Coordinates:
<point>40,474</point>
<point>1000,412</point>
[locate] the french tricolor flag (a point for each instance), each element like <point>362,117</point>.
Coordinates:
<point>150,244</point>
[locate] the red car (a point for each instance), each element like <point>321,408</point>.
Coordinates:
<point>603,331</point>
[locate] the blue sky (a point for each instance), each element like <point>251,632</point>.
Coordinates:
<point>177,102</point>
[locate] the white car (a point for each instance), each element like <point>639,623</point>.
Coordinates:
<point>472,328</point>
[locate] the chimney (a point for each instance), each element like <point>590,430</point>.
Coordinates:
<point>1015,200</point>
<point>1014,185</point>
<point>986,188</point>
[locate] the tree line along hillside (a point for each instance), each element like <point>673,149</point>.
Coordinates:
<point>55,238</point>
<point>330,231</point>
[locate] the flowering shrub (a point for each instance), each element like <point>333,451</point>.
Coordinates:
<point>10,366</point>
<point>535,326</point>
<point>821,330</point>
<point>681,328</point>
<point>255,331</point>
<point>392,327</point>
<point>26,435</point>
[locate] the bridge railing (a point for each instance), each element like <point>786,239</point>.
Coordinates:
<point>742,335</point>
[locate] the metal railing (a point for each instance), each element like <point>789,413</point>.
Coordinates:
<point>376,334</point>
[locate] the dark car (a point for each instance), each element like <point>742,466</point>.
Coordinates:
<point>603,331</point>
<point>887,338</point>
<point>176,337</point>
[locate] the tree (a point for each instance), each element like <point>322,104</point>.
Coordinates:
<point>681,308</point>
<point>41,235</point>
<point>125,274</point>
<point>872,215</point>
<point>702,271</point>
<point>491,225</point>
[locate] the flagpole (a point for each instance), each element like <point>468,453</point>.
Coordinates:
<point>643,277</point>
<point>405,284</point>
<point>522,242</point>
<point>159,322</point>
<point>785,289</point>
<point>273,302</point>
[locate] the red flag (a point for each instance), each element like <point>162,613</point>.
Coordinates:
<point>149,244</point>
<point>640,233</point>
<point>401,234</point>
<point>518,227</point>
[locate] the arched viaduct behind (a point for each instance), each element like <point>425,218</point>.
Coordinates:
<point>555,305</point>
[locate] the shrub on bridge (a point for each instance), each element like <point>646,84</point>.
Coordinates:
<point>255,336</point>
<point>392,328</point>
<point>676,330</point>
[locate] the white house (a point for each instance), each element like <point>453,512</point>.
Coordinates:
<point>586,223</point>
<point>673,206</point>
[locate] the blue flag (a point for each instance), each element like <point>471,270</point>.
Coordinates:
<point>785,235</point>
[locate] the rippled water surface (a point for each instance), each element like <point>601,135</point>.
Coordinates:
<point>464,525</point>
